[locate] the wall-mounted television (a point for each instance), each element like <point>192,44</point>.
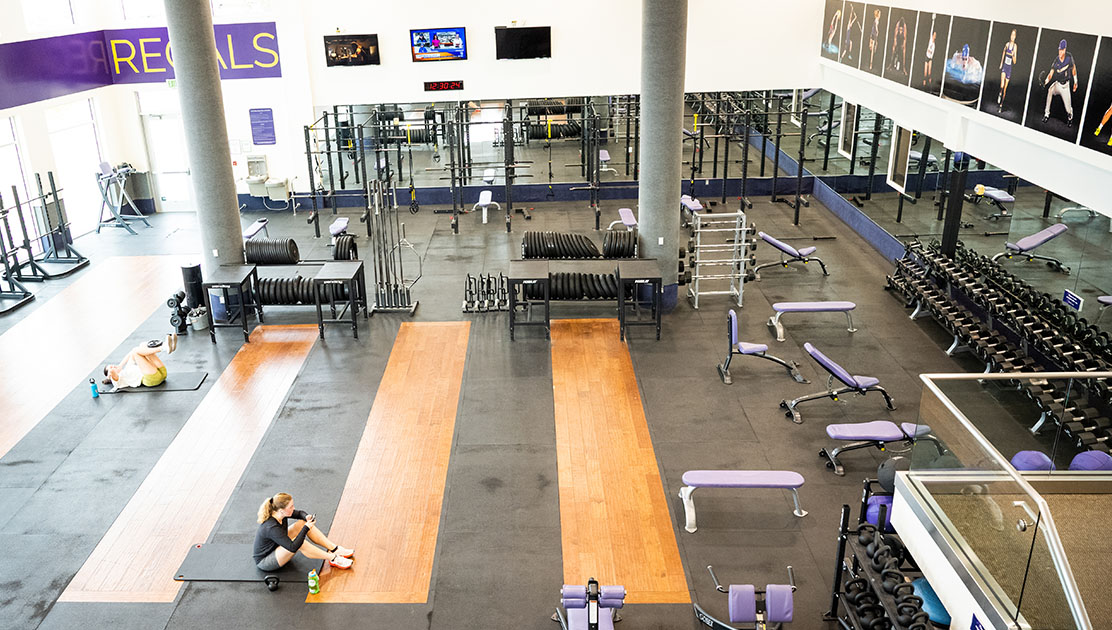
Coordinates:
<point>351,50</point>
<point>529,42</point>
<point>438,44</point>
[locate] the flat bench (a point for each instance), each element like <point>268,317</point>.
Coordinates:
<point>915,156</point>
<point>626,218</point>
<point>338,227</point>
<point>784,479</point>
<point>253,230</point>
<point>688,205</point>
<point>850,384</point>
<point>1024,246</point>
<point>996,197</point>
<point>485,201</point>
<point>758,350</point>
<point>788,255</point>
<point>877,434</point>
<point>809,307</point>
<point>489,175</point>
<point>604,162</point>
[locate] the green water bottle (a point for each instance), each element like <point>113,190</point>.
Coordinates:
<point>314,582</point>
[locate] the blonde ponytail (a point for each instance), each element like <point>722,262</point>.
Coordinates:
<point>272,505</point>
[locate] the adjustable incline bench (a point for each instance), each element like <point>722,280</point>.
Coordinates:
<point>877,434</point>
<point>1024,246</point>
<point>788,255</point>
<point>851,384</point>
<point>692,479</point>
<point>758,350</point>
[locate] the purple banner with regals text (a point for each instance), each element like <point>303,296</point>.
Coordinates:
<point>40,69</point>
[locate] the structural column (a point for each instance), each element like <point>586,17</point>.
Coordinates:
<point>954,203</point>
<point>663,58</point>
<point>197,70</point>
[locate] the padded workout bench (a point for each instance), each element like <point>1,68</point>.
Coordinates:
<point>788,255</point>
<point>584,602</point>
<point>758,350</point>
<point>626,218</point>
<point>877,434</point>
<point>253,230</point>
<point>855,384</point>
<point>766,608</point>
<point>1024,246</point>
<point>690,205</point>
<point>809,307</point>
<point>915,156</point>
<point>485,201</point>
<point>785,479</point>
<point>604,162</point>
<point>997,198</point>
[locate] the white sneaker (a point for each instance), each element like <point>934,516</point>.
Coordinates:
<point>340,562</point>
<point>344,551</point>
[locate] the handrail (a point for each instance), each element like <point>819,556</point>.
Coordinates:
<point>1053,540</point>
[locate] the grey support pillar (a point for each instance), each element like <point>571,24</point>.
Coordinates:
<point>197,69</point>
<point>663,57</point>
<point>954,203</point>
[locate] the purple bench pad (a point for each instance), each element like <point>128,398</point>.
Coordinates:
<point>813,307</point>
<point>691,203</point>
<point>742,479</point>
<point>1028,243</point>
<point>998,195</point>
<point>627,217</point>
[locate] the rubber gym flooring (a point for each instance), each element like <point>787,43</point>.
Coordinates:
<point>500,549</point>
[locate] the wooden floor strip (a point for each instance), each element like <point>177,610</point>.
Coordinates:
<point>55,347</point>
<point>390,508</point>
<point>180,500</point>
<point>614,518</point>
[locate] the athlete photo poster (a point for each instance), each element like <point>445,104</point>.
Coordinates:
<point>1008,63</point>
<point>832,41</point>
<point>929,60</point>
<point>965,61</point>
<point>1096,133</point>
<point>899,51</point>
<point>873,38</point>
<point>853,16</point>
<point>1060,82</point>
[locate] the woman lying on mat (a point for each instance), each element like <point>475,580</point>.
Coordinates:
<point>282,533</point>
<point>141,366</point>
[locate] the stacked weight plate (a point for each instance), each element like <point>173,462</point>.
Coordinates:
<point>560,245</point>
<point>272,251</point>
<point>295,290</point>
<point>576,286</point>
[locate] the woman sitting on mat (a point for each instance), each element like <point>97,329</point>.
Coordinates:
<point>282,533</point>
<point>141,366</point>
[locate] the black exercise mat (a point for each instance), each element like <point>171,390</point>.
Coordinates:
<point>175,382</point>
<point>212,562</point>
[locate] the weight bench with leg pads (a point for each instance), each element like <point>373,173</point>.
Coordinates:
<point>770,607</point>
<point>604,162</point>
<point>876,434</point>
<point>485,201</point>
<point>1024,246</point>
<point>788,255</point>
<point>626,218</point>
<point>584,603</point>
<point>785,479</point>
<point>809,307</point>
<point>914,157</point>
<point>758,350</point>
<point>851,384</point>
<point>256,228</point>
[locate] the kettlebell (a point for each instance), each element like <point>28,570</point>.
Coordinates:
<point>919,626</point>
<point>865,600</point>
<point>904,613</point>
<point>855,589</point>
<point>891,579</point>
<point>908,599</point>
<point>882,555</point>
<point>874,544</point>
<point>865,533</point>
<point>905,591</point>
<point>867,614</point>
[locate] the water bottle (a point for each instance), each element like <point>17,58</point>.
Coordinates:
<point>93,385</point>
<point>314,582</point>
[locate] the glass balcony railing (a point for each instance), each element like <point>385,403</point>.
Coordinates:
<point>1028,543</point>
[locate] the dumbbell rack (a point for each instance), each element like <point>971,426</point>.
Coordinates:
<point>715,259</point>
<point>853,561</point>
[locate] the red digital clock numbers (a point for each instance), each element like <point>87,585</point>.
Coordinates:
<point>440,86</point>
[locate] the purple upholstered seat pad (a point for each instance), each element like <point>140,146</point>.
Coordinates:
<point>780,245</point>
<point>998,195</point>
<point>778,603</point>
<point>881,430</point>
<point>839,372</point>
<point>1027,243</point>
<point>813,307</point>
<point>627,217</point>
<point>742,479</point>
<point>751,348</point>
<point>690,203</point>
<point>743,603</point>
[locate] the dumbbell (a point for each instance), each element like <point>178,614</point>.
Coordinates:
<point>1093,441</point>
<point>1087,426</point>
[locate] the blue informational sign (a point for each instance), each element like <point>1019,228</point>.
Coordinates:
<point>1072,300</point>
<point>262,126</point>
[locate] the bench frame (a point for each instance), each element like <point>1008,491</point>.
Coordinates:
<point>731,335</point>
<point>775,323</point>
<point>687,492</point>
<point>789,406</point>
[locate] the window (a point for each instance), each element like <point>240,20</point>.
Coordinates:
<point>77,157</point>
<point>13,174</point>
<point>151,12</point>
<point>47,15</point>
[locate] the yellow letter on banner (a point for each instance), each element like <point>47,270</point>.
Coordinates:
<point>116,59</point>
<point>144,55</point>
<point>272,53</point>
<point>232,56</point>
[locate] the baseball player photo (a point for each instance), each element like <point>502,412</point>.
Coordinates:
<point>1062,63</point>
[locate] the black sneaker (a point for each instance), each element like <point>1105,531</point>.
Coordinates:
<point>1045,118</point>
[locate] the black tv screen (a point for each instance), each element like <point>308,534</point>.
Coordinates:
<point>529,42</point>
<point>351,50</point>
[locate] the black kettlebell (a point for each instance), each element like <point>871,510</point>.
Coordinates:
<point>867,614</point>
<point>919,626</point>
<point>908,598</point>
<point>904,591</point>
<point>865,533</point>
<point>865,600</point>
<point>891,578</point>
<point>876,542</point>
<point>882,556</point>
<point>855,588</point>
<point>905,612</point>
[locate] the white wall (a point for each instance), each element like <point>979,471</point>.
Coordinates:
<point>1079,174</point>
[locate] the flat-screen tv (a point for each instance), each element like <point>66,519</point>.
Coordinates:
<point>351,50</point>
<point>529,42</point>
<point>438,44</point>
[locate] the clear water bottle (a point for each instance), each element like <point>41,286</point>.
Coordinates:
<point>314,582</point>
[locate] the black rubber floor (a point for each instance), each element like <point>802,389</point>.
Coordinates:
<point>498,562</point>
